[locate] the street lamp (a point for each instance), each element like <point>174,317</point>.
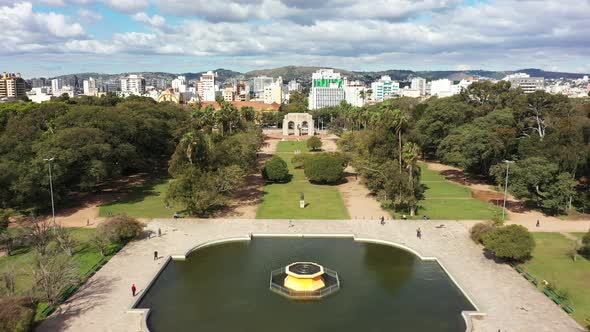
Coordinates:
<point>49,160</point>
<point>507,162</point>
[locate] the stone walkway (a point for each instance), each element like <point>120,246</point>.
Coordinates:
<point>509,301</point>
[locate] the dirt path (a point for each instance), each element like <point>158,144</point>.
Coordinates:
<point>517,213</point>
<point>359,201</point>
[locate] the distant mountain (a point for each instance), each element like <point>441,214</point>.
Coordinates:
<point>303,74</point>
<point>292,72</point>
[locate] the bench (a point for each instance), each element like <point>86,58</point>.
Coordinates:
<point>567,309</point>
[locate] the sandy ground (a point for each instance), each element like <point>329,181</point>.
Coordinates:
<point>517,213</point>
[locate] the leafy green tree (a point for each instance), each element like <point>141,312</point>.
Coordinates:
<point>16,314</point>
<point>586,242</point>
<point>411,153</point>
<point>314,143</point>
<point>324,168</point>
<point>120,228</point>
<point>298,160</point>
<point>512,242</point>
<point>275,169</point>
<point>297,103</point>
<point>479,230</point>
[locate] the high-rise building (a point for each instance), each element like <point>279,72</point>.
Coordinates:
<point>90,87</point>
<point>228,94</point>
<point>206,86</point>
<point>258,84</point>
<point>273,93</point>
<point>293,86</point>
<point>326,89</point>
<point>384,88</point>
<point>55,86</point>
<point>133,85</point>
<point>354,93</point>
<point>418,83</point>
<point>179,84</point>
<point>12,86</point>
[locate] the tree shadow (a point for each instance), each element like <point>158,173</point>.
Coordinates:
<point>138,193</point>
<point>91,294</point>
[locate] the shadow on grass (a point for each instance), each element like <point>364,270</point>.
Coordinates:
<point>139,193</point>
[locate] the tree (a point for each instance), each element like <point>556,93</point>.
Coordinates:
<point>102,242</point>
<point>512,242</point>
<point>9,276</point>
<point>16,314</point>
<point>586,242</point>
<point>275,169</point>
<point>298,160</point>
<point>120,228</point>
<point>324,168</point>
<point>4,219</point>
<point>314,143</point>
<point>40,234</point>
<point>411,153</point>
<point>52,273</point>
<point>65,240</point>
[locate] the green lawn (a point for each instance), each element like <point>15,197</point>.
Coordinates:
<point>551,262</point>
<point>281,200</point>
<point>444,199</point>
<point>145,201</point>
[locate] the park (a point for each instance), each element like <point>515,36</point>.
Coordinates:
<point>363,203</point>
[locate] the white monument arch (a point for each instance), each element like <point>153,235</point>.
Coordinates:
<point>298,124</point>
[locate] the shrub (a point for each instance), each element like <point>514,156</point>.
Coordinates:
<point>120,228</point>
<point>16,314</point>
<point>323,168</point>
<point>513,242</point>
<point>298,160</point>
<point>275,169</point>
<point>314,143</point>
<point>479,230</point>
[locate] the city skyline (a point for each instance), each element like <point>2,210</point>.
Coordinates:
<point>54,37</point>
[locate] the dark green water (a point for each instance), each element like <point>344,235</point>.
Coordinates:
<point>225,288</point>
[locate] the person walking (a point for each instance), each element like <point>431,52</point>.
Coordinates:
<point>382,220</point>
<point>159,232</point>
<point>419,233</point>
<point>538,223</point>
<point>133,289</point>
<point>155,255</point>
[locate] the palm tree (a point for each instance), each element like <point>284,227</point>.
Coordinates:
<point>411,153</point>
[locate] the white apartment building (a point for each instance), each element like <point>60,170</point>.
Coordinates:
<point>419,83</point>
<point>525,82</point>
<point>12,86</point>
<point>412,93</point>
<point>384,88</point>
<point>89,87</point>
<point>39,95</point>
<point>179,84</point>
<point>327,89</point>
<point>293,86</point>
<point>228,94</point>
<point>259,83</point>
<point>206,86</point>
<point>354,93</point>
<point>133,85</point>
<point>441,88</point>
<point>55,86</point>
<point>273,93</point>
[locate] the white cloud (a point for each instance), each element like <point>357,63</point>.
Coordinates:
<point>155,20</point>
<point>90,16</point>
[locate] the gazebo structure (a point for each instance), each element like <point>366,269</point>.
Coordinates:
<point>298,124</point>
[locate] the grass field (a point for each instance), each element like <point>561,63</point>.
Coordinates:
<point>281,200</point>
<point>444,199</point>
<point>21,260</point>
<point>145,201</point>
<point>551,262</point>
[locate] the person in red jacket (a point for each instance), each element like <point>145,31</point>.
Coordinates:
<point>133,289</point>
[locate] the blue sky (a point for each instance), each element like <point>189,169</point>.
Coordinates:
<point>51,37</point>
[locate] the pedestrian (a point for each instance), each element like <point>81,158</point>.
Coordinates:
<point>538,223</point>
<point>133,289</point>
<point>419,233</point>
<point>382,220</point>
<point>159,232</point>
<point>155,255</point>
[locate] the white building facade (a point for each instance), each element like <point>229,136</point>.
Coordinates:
<point>327,89</point>
<point>384,88</point>
<point>89,87</point>
<point>355,93</point>
<point>206,86</point>
<point>133,85</point>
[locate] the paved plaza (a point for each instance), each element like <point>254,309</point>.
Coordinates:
<point>508,301</point>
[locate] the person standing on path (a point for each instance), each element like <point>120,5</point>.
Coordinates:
<point>155,255</point>
<point>133,289</point>
<point>382,220</point>
<point>419,233</point>
<point>538,223</point>
<point>159,232</point>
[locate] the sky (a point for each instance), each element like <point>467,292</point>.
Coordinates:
<point>53,37</point>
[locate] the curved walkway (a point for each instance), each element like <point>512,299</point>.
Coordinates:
<point>510,302</point>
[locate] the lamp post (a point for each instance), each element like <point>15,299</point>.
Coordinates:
<point>49,160</point>
<point>507,162</point>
